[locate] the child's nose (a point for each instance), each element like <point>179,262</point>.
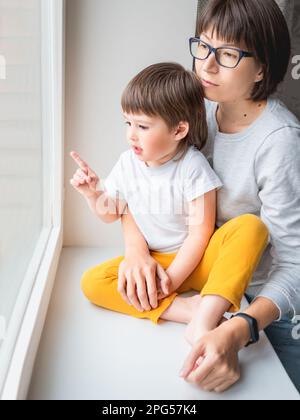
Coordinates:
<point>132,135</point>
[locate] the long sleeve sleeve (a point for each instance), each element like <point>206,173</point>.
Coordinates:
<point>277,169</point>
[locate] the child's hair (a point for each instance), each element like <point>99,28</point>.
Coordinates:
<point>169,91</point>
<point>261,25</point>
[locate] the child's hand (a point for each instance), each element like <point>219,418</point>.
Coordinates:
<point>85,179</point>
<point>136,280</point>
<point>164,287</point>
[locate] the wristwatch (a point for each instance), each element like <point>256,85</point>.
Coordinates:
<point>254,333</point>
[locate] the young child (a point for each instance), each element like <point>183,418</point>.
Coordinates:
<point>170,189</point>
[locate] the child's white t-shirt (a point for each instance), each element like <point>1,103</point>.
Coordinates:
<point>158,196</point>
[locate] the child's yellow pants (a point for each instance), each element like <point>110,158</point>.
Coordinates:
<point>225,269</point>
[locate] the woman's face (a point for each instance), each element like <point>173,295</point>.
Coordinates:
<point>229,84</point>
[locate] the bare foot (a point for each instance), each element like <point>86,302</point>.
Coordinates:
<point>193,302</point>
<point>194,329</point>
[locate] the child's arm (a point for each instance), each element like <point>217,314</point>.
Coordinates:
<point>140,267</point>
<point>133,237</point>
<point>85,181</point>
<point>211,308</point>
<point>202,217</point>
<point>105,207</point>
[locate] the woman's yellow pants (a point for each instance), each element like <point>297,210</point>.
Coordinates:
<point>225,269</point>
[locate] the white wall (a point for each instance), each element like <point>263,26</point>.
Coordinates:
<point>107,43</point>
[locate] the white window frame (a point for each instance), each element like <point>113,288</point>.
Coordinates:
<point>19,348</point>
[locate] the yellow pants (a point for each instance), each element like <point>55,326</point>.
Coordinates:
<point>225,269</point>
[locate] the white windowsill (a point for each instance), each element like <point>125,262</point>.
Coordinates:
<point>22,360</point>
<point>87,352</point>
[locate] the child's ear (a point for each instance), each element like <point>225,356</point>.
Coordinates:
<point>182,130</point>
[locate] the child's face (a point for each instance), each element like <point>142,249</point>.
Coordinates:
<point>151,139</point>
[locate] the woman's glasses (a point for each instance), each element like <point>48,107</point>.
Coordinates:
<point>225,56</point>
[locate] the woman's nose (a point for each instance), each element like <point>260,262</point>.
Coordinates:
<point>210,64</point>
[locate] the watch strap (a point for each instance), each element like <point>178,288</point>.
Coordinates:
<point>253,327</point>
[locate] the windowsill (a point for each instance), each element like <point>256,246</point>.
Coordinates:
<point>88,352</point>
<point>26,324</point>
<point>23,349</point>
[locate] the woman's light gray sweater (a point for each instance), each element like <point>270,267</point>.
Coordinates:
<point>260,170</point>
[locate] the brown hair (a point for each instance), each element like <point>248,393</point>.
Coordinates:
<point>261,25</point>
<point>169,91</point>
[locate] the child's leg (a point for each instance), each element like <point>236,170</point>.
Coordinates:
<point>230,258</point>
<point>226,268</point>
<point>100,283</point>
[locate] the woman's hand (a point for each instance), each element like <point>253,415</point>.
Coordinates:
<point>84,180</point>
<point>140,278</point>
<point>213,361</point>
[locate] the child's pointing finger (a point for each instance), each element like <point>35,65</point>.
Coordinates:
<point>80,162</point>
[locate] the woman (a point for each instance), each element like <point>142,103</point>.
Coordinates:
<point>241,54</point>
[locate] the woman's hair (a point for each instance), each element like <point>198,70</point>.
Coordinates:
<point>169,91</point>
<point>261,25</point>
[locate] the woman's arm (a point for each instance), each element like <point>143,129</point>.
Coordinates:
<point>278,177</point>
<point>217,351</point>
<point>277,171</point>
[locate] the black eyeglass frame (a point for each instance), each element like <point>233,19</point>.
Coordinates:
<point>211,49</point>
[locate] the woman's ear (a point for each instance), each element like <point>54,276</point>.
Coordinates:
<point>181,130</point>
<point>260,75</point>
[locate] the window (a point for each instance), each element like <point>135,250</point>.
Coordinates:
<point>30,162</point>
